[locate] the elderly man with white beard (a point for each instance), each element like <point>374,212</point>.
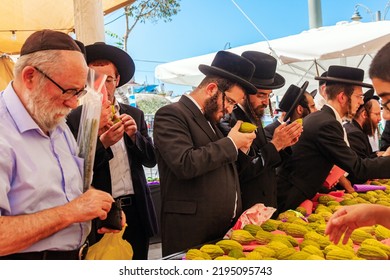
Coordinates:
<point>43,212</point>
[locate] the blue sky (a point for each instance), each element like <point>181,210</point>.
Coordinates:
<point>206,26</point>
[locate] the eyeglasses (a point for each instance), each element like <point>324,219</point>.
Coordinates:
<point>360,96</point>
<point>264,96</point>
<point>68,93</point>
<point>230,101</point>
<point>386,105</point>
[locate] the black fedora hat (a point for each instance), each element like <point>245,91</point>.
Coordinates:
<point>313,93</point>
<point>265,76</point>
<point>288,99</point>
<point>232,67</point>
<point>370,94</point>
<point>292,98</point>
<point>121,59</point>
<point>344,75</point>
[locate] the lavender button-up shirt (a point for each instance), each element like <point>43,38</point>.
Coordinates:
<point>37,171</point>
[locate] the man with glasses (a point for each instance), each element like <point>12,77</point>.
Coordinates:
<point>347,219</point>
<point>67,93</point>
<point>258,180</point>
<point>122,150</point>
<point>43,212</point>
<point>201,197</point>
<point>324,143</point>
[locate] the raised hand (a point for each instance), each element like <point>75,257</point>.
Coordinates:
<point>242,141</point>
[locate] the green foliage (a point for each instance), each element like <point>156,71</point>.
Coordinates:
<point>153,10</point>
<point>142,11</point>
<point>151,103</point>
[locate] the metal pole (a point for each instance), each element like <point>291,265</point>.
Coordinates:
<point>315,13</point>
<point>378,16</point>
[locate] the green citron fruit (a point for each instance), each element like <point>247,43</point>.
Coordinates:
<point>300,120</point>
<point>247,127</point>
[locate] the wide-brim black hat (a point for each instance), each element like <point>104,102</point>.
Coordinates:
<point>232,67</point>
<point>344,75</point>
<point>121,59</point>
<point>265,76</point>
<point>370,94</point>
<point>292,98</point>
<point>313,93</point>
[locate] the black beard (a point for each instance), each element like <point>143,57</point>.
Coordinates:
<point>369,127</point>
<point>255,113</point>
<point>211,107</point>
<point>305,112</point>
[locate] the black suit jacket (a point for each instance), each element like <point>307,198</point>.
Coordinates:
<point>270,129</point>
<point>321,146</point>
<point>385,137</point>
<point>198,177</point>
<point>139,155</point>
<point>358,141</point>
<point>258,179</point>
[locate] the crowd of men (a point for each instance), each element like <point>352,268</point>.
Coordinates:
<point>210,170</point>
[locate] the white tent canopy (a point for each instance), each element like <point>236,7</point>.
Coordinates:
<point>300,57</point>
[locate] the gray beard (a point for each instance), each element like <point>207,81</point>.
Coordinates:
<point>41,110</point>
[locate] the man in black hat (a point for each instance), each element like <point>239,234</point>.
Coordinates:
<point>201,196</point>
<point>347,219</point>
<point>304,106</point>
<point>364,124</point>
<point>323,142</point>
<point>44,213</point>
<point>258,180</point>
<point>122,150</point>
<point>320,97</point>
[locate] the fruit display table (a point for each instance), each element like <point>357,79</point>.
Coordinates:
<point>298,234</point>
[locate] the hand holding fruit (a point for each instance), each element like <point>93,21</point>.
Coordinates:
<point>242,140</point>
<point>112,135</point>
<point>286,135</point>
<point>105,117</point>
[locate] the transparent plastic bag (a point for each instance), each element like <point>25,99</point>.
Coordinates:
<point>111,247</point>
<point>89,122</point>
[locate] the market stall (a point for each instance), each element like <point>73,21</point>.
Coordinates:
<point>299,234</point>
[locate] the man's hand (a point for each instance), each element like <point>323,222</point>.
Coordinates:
<point>90,205</point>
<point>242,141</point>
<point>105,117</point>
<point>286,135</point>
<point>129,125</point>
<point>385,153</point>
<point>112,135</point>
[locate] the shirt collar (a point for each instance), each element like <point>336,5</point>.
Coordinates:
<point>23,120</point>
<point>338,118</point>
<point>193,100</point>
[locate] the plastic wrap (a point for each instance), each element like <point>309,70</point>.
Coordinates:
<point>366,188</point>
<point>89,123</point>
<point>256,215</point>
